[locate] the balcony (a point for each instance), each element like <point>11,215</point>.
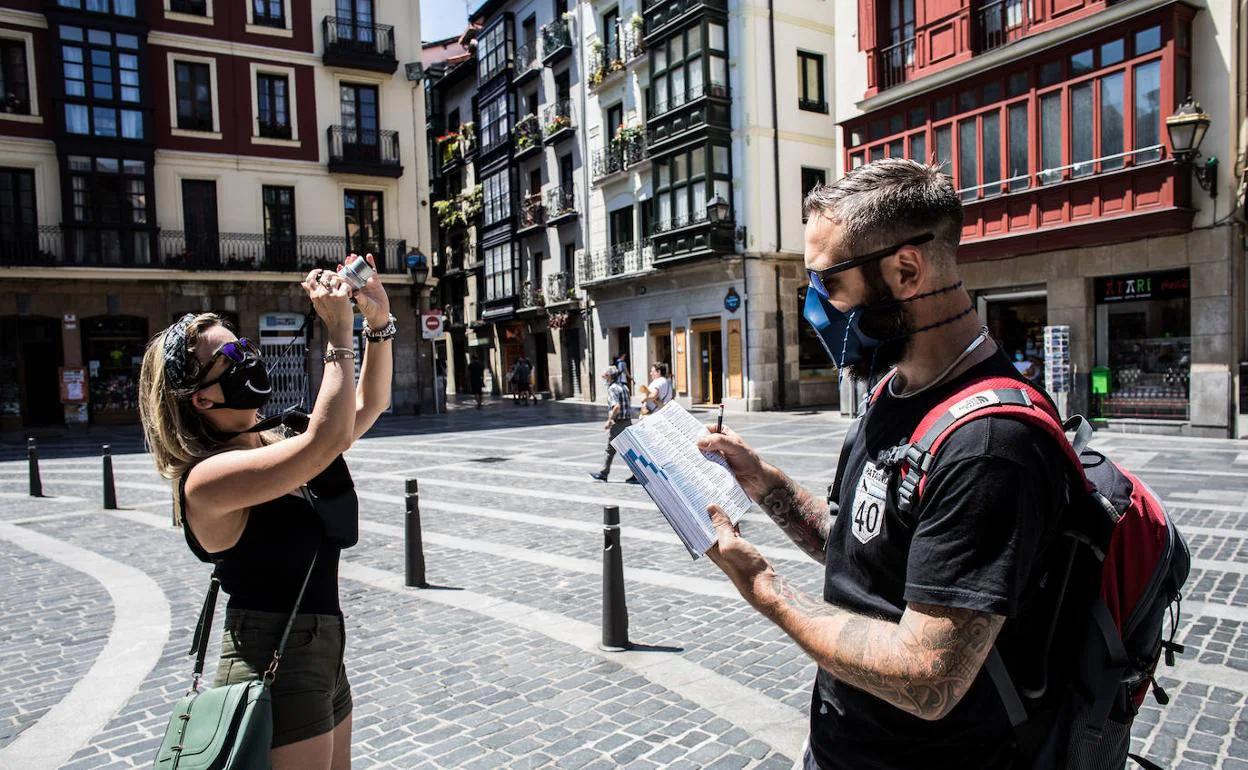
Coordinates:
<point>454,148</point>
<point>626,150</point>
<point>620,261</point>
<point>691,235</point>
<point>998,22</point>
<point>560,290</point>
<point>372,153</point>
<point>609,59</point>
<point>68,246</point>
<point>694,92</point>
<point>527,63</point>
<point>557,122</point>
<point>663,15</point>
<point>556,42</point>
<point>460,210</point>
<point>532,214</point>
<point>531,296</point>
<point>895,63</point>
<point>348,43</point>
<point>674,126</point>
<point>527,136</point>
<point>560,205</point>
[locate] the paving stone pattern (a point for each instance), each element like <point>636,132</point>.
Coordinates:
<point>444,687</point>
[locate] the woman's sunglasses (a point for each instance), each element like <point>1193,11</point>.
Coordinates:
<point>817,277</point>
<point>236,351</point>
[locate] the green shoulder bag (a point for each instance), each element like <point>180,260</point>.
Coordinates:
<point>223,728</point>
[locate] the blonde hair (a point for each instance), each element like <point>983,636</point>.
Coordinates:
<point>173,430</point>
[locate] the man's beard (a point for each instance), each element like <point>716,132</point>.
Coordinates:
<point>882,318</point>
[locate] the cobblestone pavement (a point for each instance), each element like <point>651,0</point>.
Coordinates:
<point>497,666</point>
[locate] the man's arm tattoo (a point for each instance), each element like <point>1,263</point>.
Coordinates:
<point>924,665</point>
<point>800,516</point>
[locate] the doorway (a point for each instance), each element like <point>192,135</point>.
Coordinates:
<point>1016,320</point>
<point>30,352</point>
<point>708,361</point>
<point>199,219</point>
<point>661,345</point>
<point>360,123</point>
<point>112,347</point>
<point>364,222</point>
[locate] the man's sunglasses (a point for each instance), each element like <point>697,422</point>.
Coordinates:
<point>236,351</point>
<point>817,277</point>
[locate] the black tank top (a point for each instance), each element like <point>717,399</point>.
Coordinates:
<point>264,569</point>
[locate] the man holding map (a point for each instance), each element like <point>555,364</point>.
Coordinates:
<point>914,597</point>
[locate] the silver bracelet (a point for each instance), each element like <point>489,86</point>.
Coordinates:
<point>387,332</point>
<point>338,354</point>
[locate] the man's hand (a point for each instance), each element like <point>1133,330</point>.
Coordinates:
<point>607,426</point>
<point>741,561</point>
<point>755,476</point>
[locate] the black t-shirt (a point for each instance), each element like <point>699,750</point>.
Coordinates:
<point>988,511</point>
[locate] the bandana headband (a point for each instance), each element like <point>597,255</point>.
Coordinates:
<point>174,348</point>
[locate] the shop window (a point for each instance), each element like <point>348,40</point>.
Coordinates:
<point>944,147</point>
<point>1082,63</point>
<point>1050,73</point>
<point>1144,346</point>
<point>990,151</point>
<point>812,359</point>
<point>112,347</point>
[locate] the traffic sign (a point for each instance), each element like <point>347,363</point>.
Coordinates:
<point>431,325</point>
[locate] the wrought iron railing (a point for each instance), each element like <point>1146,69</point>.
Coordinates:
<point>623,151</point>
<point>607,161</point>
<point>67,246</point>
<point>693,91</point>
<point>896,62</point>
<point>527,59</point>
<point>697,216</point>
<point>352,145</point>
<point>560,201</point>
<point>532,212</point>
<point>527,133</point>
<point>556,36</point>
<point>997,22</point>
<point>557,117</point>
<point>348,36</point>
<point>531,295</point>
<point>617,260</point>
<point>560,287</point>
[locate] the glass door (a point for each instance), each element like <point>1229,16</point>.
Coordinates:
<point>365,225</point>
<point>361,128</point>
<point>355,21</point>
<point>199,220</point>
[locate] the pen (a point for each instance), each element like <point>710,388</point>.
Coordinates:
<point>719,423</point>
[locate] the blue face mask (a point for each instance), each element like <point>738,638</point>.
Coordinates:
<point>845,342</point>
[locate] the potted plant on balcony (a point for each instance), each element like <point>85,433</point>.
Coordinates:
<point>471,200</point>
<point>599,69</point>
<point>448,143</point>
<point>450,212</point>
<point>558,320</point>
<point>557,123</point>
<point>467,138</point>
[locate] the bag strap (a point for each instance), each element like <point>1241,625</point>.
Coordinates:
<point>271,674</point>
<point>851,437</point>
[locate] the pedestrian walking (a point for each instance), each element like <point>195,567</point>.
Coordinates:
<point>621,363</point>
<point>521,380</point>
<point>619,417</point>
<point>658,392</point>
<point>476,378</point>
<point>914,599</point>
<point>271,512</point>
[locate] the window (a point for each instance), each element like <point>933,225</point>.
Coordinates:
<point>500,272</point>
<point>611,34</point>
<point>990,151</point>
<point>18,228</point>
<point>1148,111</point>
<point>615,120</point>
<point>684,69</point>
<point>811,178</point>
<point>115,7</point>
<point>110,195</point>
<point>968,159</point>
<point>1020,172</point>
<point>1111,121</point>
<point>810,82</point>
<point>496,197</point>
<point>100,79</point>
<point>193,89</point>
<point>199,220</point>
<point>269,13</point>
<point>273,106</point>
<point>918,147</point>
<point>812,359</point>
<point>1081,150</point>
<point>1147,40</point>
<point>365,223</point>
<point>495,122</point>
<point>192,7</point>
<point>1050,137</point>
<point>492,53</point>
<point>279,224</point>
<point>14,79</point>
<point>684,185</point>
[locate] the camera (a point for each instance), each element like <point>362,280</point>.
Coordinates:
<point>357,272</point>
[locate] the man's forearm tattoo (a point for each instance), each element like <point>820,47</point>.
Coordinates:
<point>924,665</point>
<point>800,516</point>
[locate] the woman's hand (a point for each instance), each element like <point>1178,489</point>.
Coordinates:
<point>372,300</point>
<point>331,299</point>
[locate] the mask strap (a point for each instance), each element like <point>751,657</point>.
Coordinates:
<point>929,327</point>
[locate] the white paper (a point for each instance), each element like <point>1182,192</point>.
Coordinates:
<point>662,453</point>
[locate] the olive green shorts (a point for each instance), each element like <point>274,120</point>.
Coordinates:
<point>311,694</point>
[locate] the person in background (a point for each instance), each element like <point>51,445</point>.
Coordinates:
<point>476,378</point>
<point>658,392</point>
<point>621,363</point>
<point>619,417</point>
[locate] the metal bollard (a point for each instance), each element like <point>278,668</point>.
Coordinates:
<point>32,457</point>
<point>110,491</point>
<point>415,571</point>
<point>614,610</point>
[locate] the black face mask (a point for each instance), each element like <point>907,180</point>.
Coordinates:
<point>245,385</point>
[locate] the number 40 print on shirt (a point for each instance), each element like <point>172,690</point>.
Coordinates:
<point>869,497</point>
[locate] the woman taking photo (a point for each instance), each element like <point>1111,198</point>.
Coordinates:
<point>244,502</point>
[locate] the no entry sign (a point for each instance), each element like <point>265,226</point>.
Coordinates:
<point>431,325</point>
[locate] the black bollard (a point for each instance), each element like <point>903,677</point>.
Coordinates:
<point>32,456</point>
<point>110,491</point>
<point>415,577</point>
<point>614,610</point>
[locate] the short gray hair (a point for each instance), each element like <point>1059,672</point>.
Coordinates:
<point>887,201</point>
<point>611,373</point>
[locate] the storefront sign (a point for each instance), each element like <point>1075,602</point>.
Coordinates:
<point>1172,284</point>
<point>69,321</point>
<point>73,384</point>
<point>732,300</point>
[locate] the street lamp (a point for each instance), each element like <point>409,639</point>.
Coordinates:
<point>717,209</point>
<point>418,266</point>
<point>1187,129</point>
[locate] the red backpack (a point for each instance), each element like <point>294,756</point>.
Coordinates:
<point>1117,539</point>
